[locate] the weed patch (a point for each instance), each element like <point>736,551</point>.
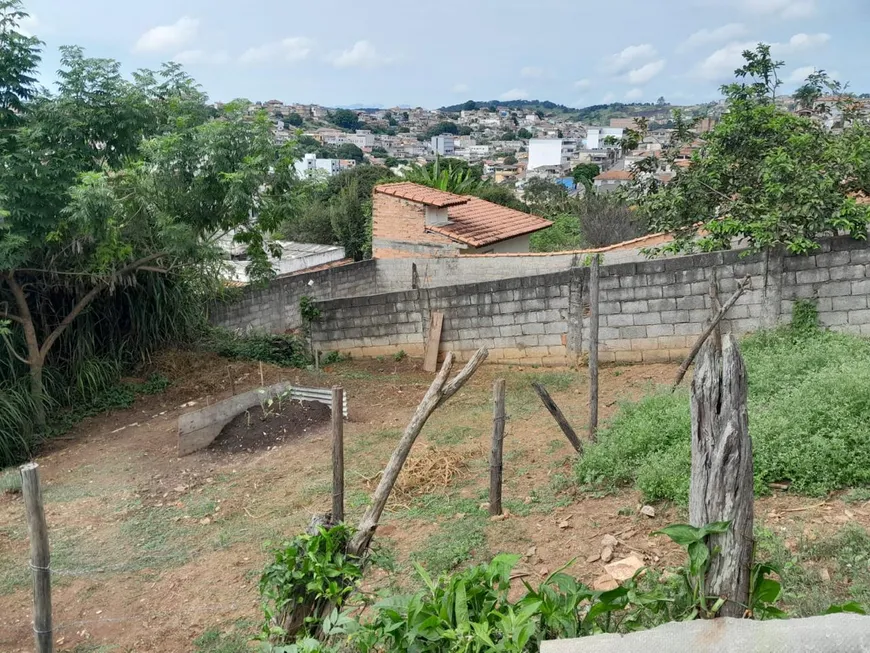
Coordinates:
<point>808,410</point>
<point>458,541</point>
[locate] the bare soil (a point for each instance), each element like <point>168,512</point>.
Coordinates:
<point>264,427</point>
<point>151,550</point>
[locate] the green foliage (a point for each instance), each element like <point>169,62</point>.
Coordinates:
<point>584,173</point>
<point>400,355</point>
<point>278,349</point>
<point>215,641</point>
<point>308,574</point>
<point>807,403</point>
<point>295,119</point>
<point>804,316</point>
<point>308,309</point>
<point>455,543</point>
<point>564,235</point>
<point>446,176</point>
<point>345,118</point>
<point>510,160</point>
<point>350,151</point>
<point>522,132</point>
<point>503,195</point>
<point>764,175</point>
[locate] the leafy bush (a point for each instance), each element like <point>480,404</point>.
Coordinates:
<point>309,576</point>
<point>808,410</point>
<point>279,349</point>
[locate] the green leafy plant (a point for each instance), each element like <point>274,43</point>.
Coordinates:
<point>308,309</point>
<point>693,540</point>
<point>279,349</point>
<point>764,592</point>
<point>309,576</point>
<point>400,355</point>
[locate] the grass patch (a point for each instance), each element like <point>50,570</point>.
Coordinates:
<point>457,542</point>
<point>808,410</point>
<point>433,507</point>
<point>214,640</point>
<point>845,557</point>
<point>453,435</point>
<point>10,481</point>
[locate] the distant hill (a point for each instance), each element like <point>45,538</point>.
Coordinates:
<point>527,105</point>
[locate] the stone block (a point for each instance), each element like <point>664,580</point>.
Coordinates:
<point>833,259</point>
<point>609,308</point>
<point>848,272</point>
<point>642,344</point>
<point>532,329</point>
<point>835,288</point>
<point>860,255</point>
<point>688,329</point>
<point>674,342</point>
<point>690,302</point>
<point>692,275</point>
<point>833,318</point>
<point>640,306</point>
<point>796,263</point>
<point>650,317</point>
<point>622,319</point>
<point>861,287</point>
<point>610,333</point>
<point>669,304</point>
<point>627,333</point>
<point>648,292</point>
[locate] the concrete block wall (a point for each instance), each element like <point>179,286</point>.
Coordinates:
<point>518,320</point>
<point>651,310</point>
<point>275,306</point>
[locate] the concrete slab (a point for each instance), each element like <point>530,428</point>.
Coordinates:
<point>837,633</point>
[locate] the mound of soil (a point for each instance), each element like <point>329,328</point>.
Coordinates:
<point>258,429</point>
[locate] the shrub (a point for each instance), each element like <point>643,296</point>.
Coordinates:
<point>279,349</point>
<point>808,410</point>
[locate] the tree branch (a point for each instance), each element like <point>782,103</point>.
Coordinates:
<point>13,352</point>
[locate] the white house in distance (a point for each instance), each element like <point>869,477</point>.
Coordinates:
<point>311,166</point>
<point>595,136</point>
<point>545,152</point>
<point>444,145</point>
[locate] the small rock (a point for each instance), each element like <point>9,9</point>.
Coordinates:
<point>625,568</point>
<point>484,505</point>
<point>649,511</point>
<point>825,575</point>
<point>532,550</point>
<point>595,557</point>
<point>544,572</point>
<point>604,583</point>
<point>564,524</point>
<point>205,521</point>
<point>606,554</point>
<point>609,540</point>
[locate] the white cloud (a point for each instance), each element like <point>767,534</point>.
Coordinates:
<point>362,55</point>
<point>645,73</point>
<point>193,57</point>
<point>608,98</point>
<point>29,25</point>
<point>532,72</point>
<point>799,75</point>
<point>460,88</point>
<point>782,8</point>
<point>164,38</point>
<point>634,94</point>
<point>721,34</point>
<point>292,49</point>
<point>802,42</point>
<point>582,83</point>
<point>721,65</point>
<point>630,56</point>
<point>514,94</point>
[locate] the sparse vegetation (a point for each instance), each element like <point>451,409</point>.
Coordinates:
<point>279,349</point>
<point>808,410</point>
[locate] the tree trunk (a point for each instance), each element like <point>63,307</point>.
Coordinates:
<point>37,392</point>
<point>722,471</point>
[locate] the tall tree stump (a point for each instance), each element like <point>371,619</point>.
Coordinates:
<point>722,470</point>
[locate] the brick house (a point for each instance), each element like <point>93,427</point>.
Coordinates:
<point>413,220</point>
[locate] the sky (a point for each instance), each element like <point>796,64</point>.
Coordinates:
<point>430,54</point>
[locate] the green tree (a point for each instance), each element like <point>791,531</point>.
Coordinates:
<point>351,221</point>
<point>584,173</point>
<point>471,105</point>
<point>763,175</point>
<point>522,132</point>
<point>111,181</point>
<point>295,119</point>
<point>344,118</point>
<point>349,151</point>
<point>443,127</point>
<point>661,102</point>
<point>510,160</point>
<point>17,67</point>
<point>509,136</point>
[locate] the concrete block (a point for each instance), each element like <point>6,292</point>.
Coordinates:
<point>610,333</point>
<point>860,255</point>
<point>690,303</point>
<point>674,342</point>
<point>677,290</point>
<point>642,344</point>
<point>688,329</point>
<point>795,263</point>
<point>650,317</point>
<point>623,319</point>
<point>833,318</point>
<point>835,288</point>
<point>833,259</point>
<point>532,329</point>
<point>669,304</point>
<point>609,308</point>
<point>648,292</point>
<point>861,287</point>
<point>627,333</point>
<point>859,317</point>
<point>656,356</point>
<point>641,306</point>
<point>656,330</point>
<point>559,326</point>
<point>628,356</point>
<point>848,272</point>
<point>619,294</point>
<point>817,275</point>
<point>692,275</point>
<point>850,303</point>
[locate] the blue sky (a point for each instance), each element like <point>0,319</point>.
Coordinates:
<point>576,52</point>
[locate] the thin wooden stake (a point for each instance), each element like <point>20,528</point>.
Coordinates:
<point>337,455</point>
<point>262,380</point>
<point>710,329</point>
<point>495,454</point>
<point>232,380</point>
<point>551,406</point>
<point>593,348</point>
<point>40,557</point>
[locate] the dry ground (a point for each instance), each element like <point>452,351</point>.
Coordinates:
<point>150,550</point>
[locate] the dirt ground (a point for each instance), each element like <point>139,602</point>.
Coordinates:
<point>150,550</point>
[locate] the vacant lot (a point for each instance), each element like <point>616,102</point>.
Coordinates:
<point>151,551</point>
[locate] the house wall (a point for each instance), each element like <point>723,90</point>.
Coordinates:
<point>398,230</point>
<point>651,311</point>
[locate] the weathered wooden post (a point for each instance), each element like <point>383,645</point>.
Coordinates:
<point>40,557</point>
<point>337,454</point>
<point>560,418</point>
<point>593,347</point>
<point>495,454</point>
<point>722,470</point>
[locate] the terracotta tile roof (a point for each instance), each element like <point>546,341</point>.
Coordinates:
<point>422,194</point>
<point>473,221</point>
<point>614,175</point>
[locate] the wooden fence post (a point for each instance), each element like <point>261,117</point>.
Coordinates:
<point>337,455</point>
<point>561,420</point>
<point>495,454</point>
<point>722,471</point>
<point>40,557</point>
<point>593,347</point>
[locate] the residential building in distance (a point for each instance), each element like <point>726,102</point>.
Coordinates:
<point>595,136</point>
<point>609,181</point>
<point>444,145</point>
<point>544,152</point>
<point>623,123</point>
<point>413,220</point>
<point>311,166</point>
